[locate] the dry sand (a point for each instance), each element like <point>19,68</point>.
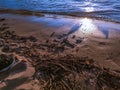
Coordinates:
<point>102,46</point>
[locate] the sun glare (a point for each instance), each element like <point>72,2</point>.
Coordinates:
<point>87,26</point>
<point>89,7</point>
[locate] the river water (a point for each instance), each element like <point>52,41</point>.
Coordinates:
<point>103,9</point>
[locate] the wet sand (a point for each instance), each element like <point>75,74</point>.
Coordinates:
<point>57,38</point>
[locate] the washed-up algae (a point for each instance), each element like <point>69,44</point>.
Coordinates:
<point>75,74</point>
<point>5,61</point>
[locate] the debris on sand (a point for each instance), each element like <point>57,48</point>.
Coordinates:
<point>75,74</point>
<point>67,43</point>
<point>102,43</point>
<point>6,48</point>
<point>32,39</point>
<point>79,41</point>
<point>52,34</point>
<point>5,61</point>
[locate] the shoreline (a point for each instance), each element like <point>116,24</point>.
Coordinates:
<point>61,42</point>
<point>71,14</point>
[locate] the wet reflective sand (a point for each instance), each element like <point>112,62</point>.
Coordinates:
<point>83,27</point>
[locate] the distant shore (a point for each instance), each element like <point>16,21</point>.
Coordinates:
<point>32,39</point>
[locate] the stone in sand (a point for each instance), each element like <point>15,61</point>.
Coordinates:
<point>2,19</point>
<point>47,41</point>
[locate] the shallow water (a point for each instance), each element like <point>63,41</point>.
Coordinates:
<point>104,9</point>
<point>84,27</point>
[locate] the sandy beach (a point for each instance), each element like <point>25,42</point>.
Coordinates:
<point>53,41</point>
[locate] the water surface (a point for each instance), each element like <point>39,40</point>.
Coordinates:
<point>103,9</point>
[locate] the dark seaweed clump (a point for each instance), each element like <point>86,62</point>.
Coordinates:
<point>73,73</point>
<point>5,61</point>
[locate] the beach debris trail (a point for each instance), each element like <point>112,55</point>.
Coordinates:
<point>73,73</point>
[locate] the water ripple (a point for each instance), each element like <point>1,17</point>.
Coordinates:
<point>96,8</point>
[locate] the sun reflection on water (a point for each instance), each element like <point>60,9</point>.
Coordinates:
<point>89,7</point>
<point>87,26</point>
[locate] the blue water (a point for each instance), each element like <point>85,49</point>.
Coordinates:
<point>104,9</point>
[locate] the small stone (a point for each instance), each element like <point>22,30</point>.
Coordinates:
<point>73,36</point>
<point>102,43</point>
<point>78,41</point>
<point>47,41</point>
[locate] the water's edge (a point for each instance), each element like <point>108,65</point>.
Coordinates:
<point>75,14</point>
